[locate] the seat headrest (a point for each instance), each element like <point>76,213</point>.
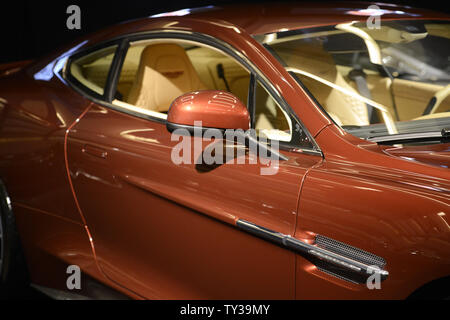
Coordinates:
<point>164,73</point>
<point>310,57</point>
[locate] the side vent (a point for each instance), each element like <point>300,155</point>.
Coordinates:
<point>331,256</point>
<point>349,252</point>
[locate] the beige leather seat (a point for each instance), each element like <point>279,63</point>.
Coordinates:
<point>164,73</point>
<point>312,58</point>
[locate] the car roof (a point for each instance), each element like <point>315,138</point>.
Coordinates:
<point>260,18</point>
<point>278,16</point>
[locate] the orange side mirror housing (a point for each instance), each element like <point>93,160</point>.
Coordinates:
<point>214,108</point>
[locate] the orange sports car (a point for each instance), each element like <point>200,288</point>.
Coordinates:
<point>336,184</point>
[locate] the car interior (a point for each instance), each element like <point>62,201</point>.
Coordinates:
<point>337,67</point>
<point>156,72</point>
<point>92,69</point>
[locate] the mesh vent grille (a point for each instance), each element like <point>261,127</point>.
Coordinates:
<point>349,251</point>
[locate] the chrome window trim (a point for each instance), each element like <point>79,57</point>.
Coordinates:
<point>406,136</point>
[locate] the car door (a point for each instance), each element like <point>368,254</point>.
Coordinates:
<point>167,230</point>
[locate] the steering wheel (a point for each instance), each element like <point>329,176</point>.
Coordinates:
<point>436,100</point>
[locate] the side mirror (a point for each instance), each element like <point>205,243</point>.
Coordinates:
<point>214,108</point>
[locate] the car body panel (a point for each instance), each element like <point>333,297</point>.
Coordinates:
<point>86,184</point>
<point>35,153</point>
<point>437,155</point>
<point>146,246</point>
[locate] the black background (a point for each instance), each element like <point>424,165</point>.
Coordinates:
<point>29,29</point>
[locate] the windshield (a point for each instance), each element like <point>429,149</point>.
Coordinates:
<point>373,82</point>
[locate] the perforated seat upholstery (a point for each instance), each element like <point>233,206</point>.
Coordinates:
<point>164,73</point>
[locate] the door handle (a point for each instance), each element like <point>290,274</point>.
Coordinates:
<point>95,151</point>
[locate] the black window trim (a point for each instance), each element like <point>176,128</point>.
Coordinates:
<point>75,83</point>
<point>114,72</point>
<point>123,43</point>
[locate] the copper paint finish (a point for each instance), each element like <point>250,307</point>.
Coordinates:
<point>97,187</point>
<point>216,109</point>
<point>146,243</point>
<point>437,155</point>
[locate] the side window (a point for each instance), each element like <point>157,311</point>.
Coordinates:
<point>270,119</point>
<point>92,70</point>
<point>156,72</point>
